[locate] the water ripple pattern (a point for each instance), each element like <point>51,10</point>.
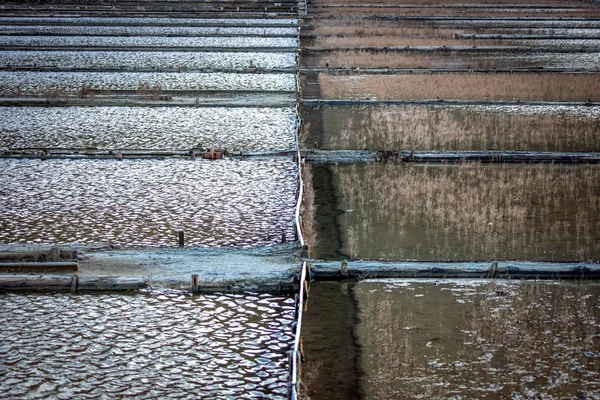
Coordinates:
<point>147,127</point>
<point>145,30</point>
<point>156,60</point>
<point>151,21</point>
<point>241,203</point>
<point>144,346</point>
<point>27,82</point>
<point>145,41</point>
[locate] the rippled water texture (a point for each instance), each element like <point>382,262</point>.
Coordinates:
<point>144,346</point>
<point>143,202</point>
<point>145,30</point>
<point>472,340</point>
<point>151,21</point>
<point>145,41</point>
<point>147,127</point>
<point>41,82</point>
<point>132,60</point>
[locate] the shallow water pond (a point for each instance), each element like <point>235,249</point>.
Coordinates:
<point>460,212</point>
<point>240,203</point>
<point>462,339</point>
<point>145,30</point>
<point>492,340</point>
<point>155,60</point>
<point>528,128</point>
<point>147,127</point>
<point>149,21</point>
<point>40,83</point>
<point>144,346</point>
<point>145,41</point>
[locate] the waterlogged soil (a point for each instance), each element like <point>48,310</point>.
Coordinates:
<point>528,128</point>
<point>478,339</point>
<point>158,128</point>
<point>147,60</point>
<point>154,345</point>
<point>129,30</point>
<point>16,83</point>
<point>239,203</point>
<point>144,41</point>
<point>458,212</point>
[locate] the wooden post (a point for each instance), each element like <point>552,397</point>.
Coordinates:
<point>181,238</point>
<point>195,283</point>
<point>283,238</point>
<point>74,283</point>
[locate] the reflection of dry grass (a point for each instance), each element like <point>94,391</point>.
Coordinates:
<point>308,384</point>
<point>468,128</point>
<point>512,337</point>
<point>385,41</point>
<point>475,212</point>
<point>499,86</point>
<point>309,208</point>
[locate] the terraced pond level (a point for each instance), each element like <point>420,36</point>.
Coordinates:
<point>153,345</point>
<point>158,128</point>
<point>453,127</point>
<point>455,339</point>
<point>239,203</point>
<point>460,212</point>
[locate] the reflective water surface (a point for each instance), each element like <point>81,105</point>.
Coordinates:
<point>460,212</point>
<point>129,30</point>
<point>530,128</point>
<point>146,41</point>
<point>132,60</point>
<point>40,83</point>
<point>478,339</point>
<point>147,127</point>
<point>144,202</point>
<point>144,346</point>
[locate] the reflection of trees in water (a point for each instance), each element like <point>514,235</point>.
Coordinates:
<point>495,340</point>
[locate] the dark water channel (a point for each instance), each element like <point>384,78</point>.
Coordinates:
<point>396,339</point>
<point>143,346</point>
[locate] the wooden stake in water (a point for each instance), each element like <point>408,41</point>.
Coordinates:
<point>181,238</point>
<point>195,283</point>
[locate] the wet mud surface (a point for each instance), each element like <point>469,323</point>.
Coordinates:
<point>145,202</point>
<point>145,345</point>
<point>158,128</point>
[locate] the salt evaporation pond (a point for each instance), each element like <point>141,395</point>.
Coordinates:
<point>163,128</point>
<point>478,339</point>
<point>240,203</point>
<point>261,22</point>
<point>145,30</point>
<point>149,60</point>
<point>145,41</point>
<point>455,339</point>
<point>29,82</point>
<point>144,346</point>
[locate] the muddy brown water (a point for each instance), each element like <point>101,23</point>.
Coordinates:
<point>529,128</point>
<point>453,339</point>
<point>457,212</point>
<point>154,345</point>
